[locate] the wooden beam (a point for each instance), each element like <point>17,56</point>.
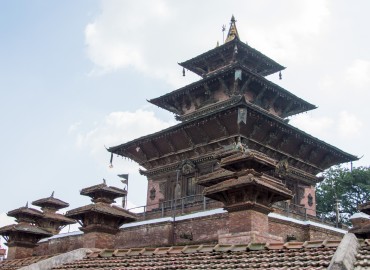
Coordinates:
<point>204,133</point>
<point>222,126</point>
<point>246,84</point>
<point>177,104</point>
<point>171,145</point>
<point>287,108</point>
<point>274,99</point>
<point>223,84</point>
<point>192,99</point>
<point>155,147</point>
<point>258,98</point>
<point>191,142</point>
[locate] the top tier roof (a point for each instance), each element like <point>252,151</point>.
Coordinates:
<point>25,214</point>
<point>50,202</point>
<point>103,193</point>
<point>232,50</point>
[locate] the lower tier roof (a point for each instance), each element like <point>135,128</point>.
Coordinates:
<point>218,125</point>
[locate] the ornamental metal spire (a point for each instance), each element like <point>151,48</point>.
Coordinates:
<point>233,32</point>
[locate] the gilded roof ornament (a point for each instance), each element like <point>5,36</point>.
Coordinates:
<point>233,31</point>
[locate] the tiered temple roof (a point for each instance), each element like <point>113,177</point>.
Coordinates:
<point>25,234</point>
<point>52,221</point>
<point>215,125</point>
<point>101,215</point>
<point>222,55</point>
<point>232,80</point>
<point>50,203</point>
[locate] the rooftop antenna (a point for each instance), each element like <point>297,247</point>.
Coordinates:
<point>223,32</point>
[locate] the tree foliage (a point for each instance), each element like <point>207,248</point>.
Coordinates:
<point>350,187</point>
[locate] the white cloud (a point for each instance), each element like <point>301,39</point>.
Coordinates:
<point>151,36</point>
<point>290,35</point>
<point>349,125</point>
<point>119,127</point>
<point>358,73</point>
<point>5,220</point>
<point>316,126</point>
<point>72,128</point>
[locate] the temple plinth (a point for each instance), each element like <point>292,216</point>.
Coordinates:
<point>101,220</point>
<point>52,221</point>
<point>23,237</point>
<point>247,194</point>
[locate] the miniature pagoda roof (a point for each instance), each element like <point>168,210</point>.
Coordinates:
<point>58,217</point>
<point>51,202</point>
<point>25,212</point>
<point>104,190</point>
<point>299,105</point>
<point>23,227</point>
<point>241,159</point>
<point>255,60</point>
<point>110,210</point>
<point>132,149</point>
<point>250,178</point>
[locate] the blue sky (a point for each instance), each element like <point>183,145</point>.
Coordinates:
<point>75,76</point>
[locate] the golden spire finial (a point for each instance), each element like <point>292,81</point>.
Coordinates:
<point>233,32</point>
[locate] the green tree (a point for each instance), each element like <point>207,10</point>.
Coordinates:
<point>351,188</point>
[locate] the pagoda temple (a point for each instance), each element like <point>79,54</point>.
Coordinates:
<point>100,221</point>
<point>33,225</point>
<point>23,237</point>
<point>52,221</point>
<point>233,103</point>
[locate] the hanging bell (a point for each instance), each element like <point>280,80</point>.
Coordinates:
<point>183,72</point>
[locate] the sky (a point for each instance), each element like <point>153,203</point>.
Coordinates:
<point>75,77</point>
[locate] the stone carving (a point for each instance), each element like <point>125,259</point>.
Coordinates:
<point>153,192</point>
<point>310,199</point>
<point>282,168</point>
<point>188,167</point>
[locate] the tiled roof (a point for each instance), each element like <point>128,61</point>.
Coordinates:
<point>51,201</point>
<point>18,263</point>
<point>101,208</point>
<point>58,217</point>
<point>103,188</point>
<point>296,255</point>
<point>25,211</point>
<point>363,256</point>
<point>22,227</point>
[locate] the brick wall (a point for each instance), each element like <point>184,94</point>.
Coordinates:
<point>59,245</point>
<point>248,220</point>
<point>200,230</point>
<point>284,229</point>
<point>19,252</point>
<point>159,234</point>
<point>98,240</point>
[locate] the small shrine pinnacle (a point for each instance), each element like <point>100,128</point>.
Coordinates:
<point>233,31</point>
